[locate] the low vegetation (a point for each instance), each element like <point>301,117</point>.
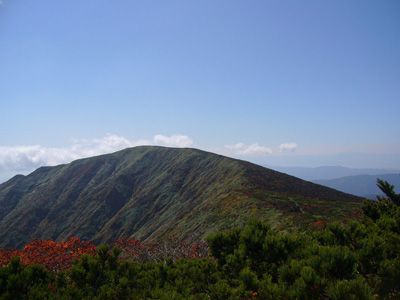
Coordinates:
<point>356,260</point>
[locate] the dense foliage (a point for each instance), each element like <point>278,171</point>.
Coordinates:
<point>359,260</point>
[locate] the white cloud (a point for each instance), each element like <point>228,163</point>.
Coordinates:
<point>235,146</point>
<point>27,158</point>
<point>250,150</point>
<point>176,140</point>
<point>287,147</point>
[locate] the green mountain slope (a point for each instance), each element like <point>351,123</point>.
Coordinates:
<point>152,193</point>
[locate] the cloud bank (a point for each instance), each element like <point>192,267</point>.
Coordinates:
<point>288,147</point>
<point>172,141</point>
<point>242,149</point>
<point>27,158</point>
<point>248,150</point>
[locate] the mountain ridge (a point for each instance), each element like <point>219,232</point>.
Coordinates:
<point>151,193</point>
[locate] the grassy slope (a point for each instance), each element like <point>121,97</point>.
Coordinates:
<point>155,192</point>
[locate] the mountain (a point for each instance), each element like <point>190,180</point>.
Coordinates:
<point>361,185</point>
<point>329,172</point>
<point>151,193</point>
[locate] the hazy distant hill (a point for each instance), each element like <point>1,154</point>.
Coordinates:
<point>154,192</point>
<point>329,172</point>
<point>362,185</point>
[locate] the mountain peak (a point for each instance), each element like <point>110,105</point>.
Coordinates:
<point>151,193</point>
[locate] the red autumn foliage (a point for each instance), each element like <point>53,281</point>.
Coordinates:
<point>60,255</point>
<point>5,256</point>
<point>319,225</point>
<point>53,255</point>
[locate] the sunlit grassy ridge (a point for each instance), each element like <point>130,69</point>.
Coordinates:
<point>151,193</point>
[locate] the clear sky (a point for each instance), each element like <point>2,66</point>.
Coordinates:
<point>278,82</point>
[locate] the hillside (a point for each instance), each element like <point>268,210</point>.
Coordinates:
<point>154,192</point>
<point>361,185</point>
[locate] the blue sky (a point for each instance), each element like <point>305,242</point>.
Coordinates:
<point>277,82</point>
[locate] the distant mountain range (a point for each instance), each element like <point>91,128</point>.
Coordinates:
<point>361,185</point>
<point>152,193</point>
<point>329,172</point>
